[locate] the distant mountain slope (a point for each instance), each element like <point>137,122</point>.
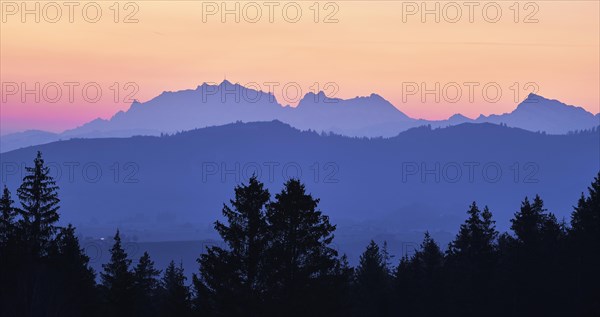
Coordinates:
<point>537,113</point>
<point>370,116</point>
<point>27,138</point>
<point>420,179</point>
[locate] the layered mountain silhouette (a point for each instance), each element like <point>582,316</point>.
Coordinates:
<point>173,187</point>
<point>370,116</point>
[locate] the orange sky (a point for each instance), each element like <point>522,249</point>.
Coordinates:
<point>370,46</point>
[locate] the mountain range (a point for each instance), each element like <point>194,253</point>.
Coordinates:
<point>369,116</point>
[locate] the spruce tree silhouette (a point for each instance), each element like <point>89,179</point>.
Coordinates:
<point>36,229</point>
<point>406,284</point>
<point>372,283</point>
<point>39,207</point>
<point>533,226</point>
<point>301,261</point>
<point>117,282</point>
<point>585,244</point>
<point>72,283</point>
<point>9,255</point>
<point>475,240</point>
<point>419,280</point>
<point>7,218</point>
<point>44,272</point>
<point>429,257</point>
<point>471,258</point>
<point>428,262</point>
<point>232,280</point>
<point>146,286</point>
<point>387,257</point>
<point>340,295</point>
<point>175,298</point>
<point>529,260</point>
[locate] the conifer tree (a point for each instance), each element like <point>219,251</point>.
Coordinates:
<point>475,242</point>
<point>428,263</point>
<point>7,218</point>
<point>537,233</point>
<point>35,231</point>
<point>39,207</point>
<point>72,280</point>
<point>585,219</point>
<point>232,280</point>
<point>531,224</point>
<point>175,297</point>
<point>9,261</point>
<point>117,282</point>
<point>584,243</point>
<point>372,268</point>
<point>418,280</point>
<point>300,253</point>
<point>405,284</point>
<point>472,258</point>
<point>429,256</point>
<point>532,259</point>
<point>341,292</point>
<point>146,285</point>
<point>387,257</point>
<point>372,282</point>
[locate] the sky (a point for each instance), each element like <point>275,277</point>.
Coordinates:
<point>85,60</point>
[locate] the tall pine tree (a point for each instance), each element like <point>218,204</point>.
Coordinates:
<point>419,280</point>
<point>36,230</point>
<point>72,280</point>
<point>300,253</point>
<point>175,297</point>
<point>585,243</point>
<point>146,287</point>
<point>472,258</point>
<point>9,261</point>
<point>533,226</point>
<point>117,282</point>
<point>531,257</point>
<point>429,257</point>
<point>232,280</point>
<point>475,242</point>
<point>7,218</point>
<point>372,285</point>
<point>39,207</point>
